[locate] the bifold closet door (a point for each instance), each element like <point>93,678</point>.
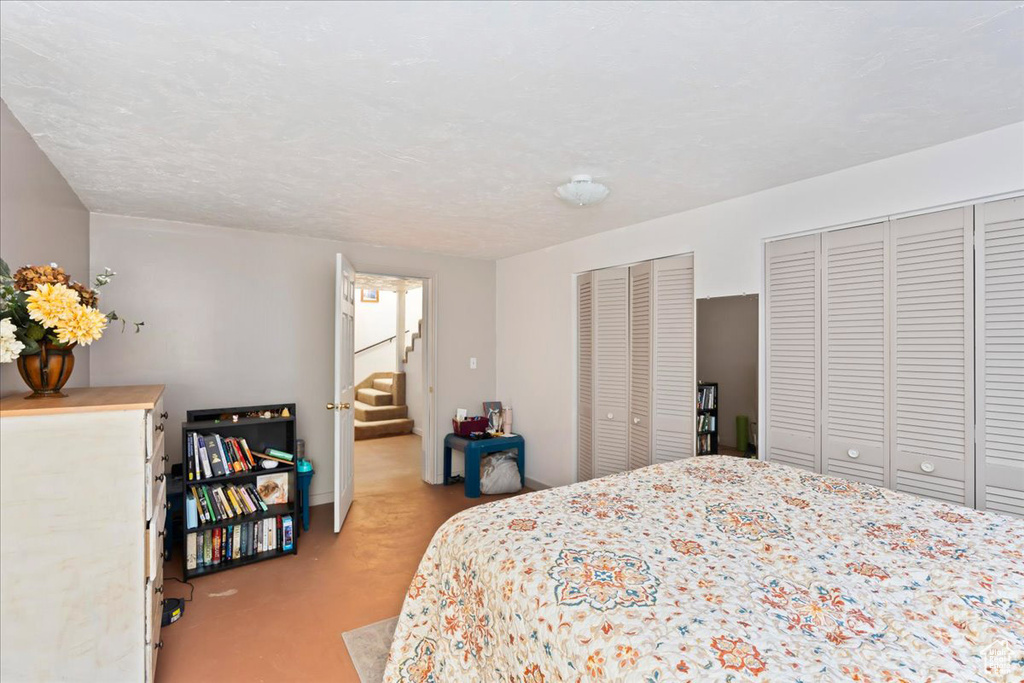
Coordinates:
<point>611,370</point>
<point>932,309</point>
<point>673,370</point>
<point>585,377</point>
<point>639,365</point>
<point>999,255</point>
<point>792,340</point>
<point>854,362</point>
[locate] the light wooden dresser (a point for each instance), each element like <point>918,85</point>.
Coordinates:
<point>82,510</point>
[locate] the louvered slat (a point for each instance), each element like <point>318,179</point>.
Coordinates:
<point>585,375</point>
<point>673,359</point>
<point>1000,363</point>
<point>855,359</point>
<point>931,440</point>
<point>611,370</point>
<point>640,365</point>
<point>792,340</point>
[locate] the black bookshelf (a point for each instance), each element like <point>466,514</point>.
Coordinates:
<point>260,434</point>
<point>707,418</point>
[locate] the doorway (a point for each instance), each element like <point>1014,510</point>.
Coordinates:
<point>727,356</point>
<point>391,371</point>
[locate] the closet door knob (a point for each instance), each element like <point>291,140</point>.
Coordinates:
<point>853,453</point>
<point>610,416</point>
<point>927,467</point>
<point>636,420</point>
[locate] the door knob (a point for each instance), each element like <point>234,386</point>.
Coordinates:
<point>636,420</point>
<point>330,406</point>
<point>338,406</point>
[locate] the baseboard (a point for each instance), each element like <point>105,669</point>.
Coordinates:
<point>321,498</point>
<point>417,431</point>
<point>536,485</point>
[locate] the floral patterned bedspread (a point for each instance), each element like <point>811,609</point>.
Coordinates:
<point>716,569</point>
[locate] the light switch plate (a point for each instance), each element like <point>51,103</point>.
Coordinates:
<point>472,363</point>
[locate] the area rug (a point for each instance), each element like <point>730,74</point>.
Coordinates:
<point>368,647</point>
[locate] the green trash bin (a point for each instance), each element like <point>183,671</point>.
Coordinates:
<point>742,424</point>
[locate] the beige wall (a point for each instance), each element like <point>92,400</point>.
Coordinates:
<point>41,221</point>
<point>236,317</point>
<point>727,354</point>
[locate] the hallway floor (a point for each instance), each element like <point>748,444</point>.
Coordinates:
<point>282,620</point>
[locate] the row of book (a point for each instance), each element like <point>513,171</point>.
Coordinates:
<point>236,542</point>
<point>706,422</point>
<point>208,504</point>
<point>212,455</point>
<point>706,398</point>
<point>704,445</point>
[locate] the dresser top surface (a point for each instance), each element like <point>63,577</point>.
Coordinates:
<point>83,400</point>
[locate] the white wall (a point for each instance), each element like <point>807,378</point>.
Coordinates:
<point>41,221</point>
<point>535,327</point>
<point>375,322</point>
<point>236,317</point>
<point>414,389</point>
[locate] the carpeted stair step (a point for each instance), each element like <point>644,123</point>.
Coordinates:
<point>373,430</point>
<point>374,397</point>
<point>383,384</point>
<point>367,413</point>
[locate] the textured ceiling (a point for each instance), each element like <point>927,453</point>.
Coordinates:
<point>446,127</point>
<point>389,283</point>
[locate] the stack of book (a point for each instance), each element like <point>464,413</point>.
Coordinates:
<point>706,423</point>
<point>211,504</point>
<point>704,445</point>
<point>212,455</point>
<point>706,398</point>
<point>237,542</point>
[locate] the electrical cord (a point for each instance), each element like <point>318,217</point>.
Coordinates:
<point>192,589</point>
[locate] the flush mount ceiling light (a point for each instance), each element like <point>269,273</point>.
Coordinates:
<point>582,190</point>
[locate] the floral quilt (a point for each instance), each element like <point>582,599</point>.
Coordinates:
<point>716,569</point>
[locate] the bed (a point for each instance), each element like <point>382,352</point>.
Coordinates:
<point>716,569</point>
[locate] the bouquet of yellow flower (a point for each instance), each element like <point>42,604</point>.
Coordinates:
<point>42,312</point>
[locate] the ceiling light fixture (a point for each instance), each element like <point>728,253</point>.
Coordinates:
<point>582,191</point>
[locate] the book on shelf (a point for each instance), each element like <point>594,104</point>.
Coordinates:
<point>706,397</point>
<point>704,444</point>
<point>276,455</point>
<point>221,502</point>
<point>212,455</point>
<point>234,542</point>
<point>706,423</point>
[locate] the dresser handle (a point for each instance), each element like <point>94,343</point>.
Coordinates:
<point>159,427</point>
<point>161,534</point>
<point>927,467</point>
<point>159,590</point>
<point>163,416</point>
<point>853,453</point>
<point>165,458</point>
<point>159,477</point>
<point>158,646</point>
<point>167,505</point>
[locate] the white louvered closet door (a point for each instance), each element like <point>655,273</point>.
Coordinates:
<point>639,365</point>
<point>1000,355</point>
<point>611,370</point>
<point>931,440</point>
<point>673,369</point>
<point>585,377</point>
<point>792,340</point>
<point>854,357</point>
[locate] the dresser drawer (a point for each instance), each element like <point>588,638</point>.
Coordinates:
<point>154,614</point>
<point>155,533</point>
<point>155,428</point>
<point>155,479</point>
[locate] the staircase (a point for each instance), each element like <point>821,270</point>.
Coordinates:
<point>380,406</point>
<point>418,334</point>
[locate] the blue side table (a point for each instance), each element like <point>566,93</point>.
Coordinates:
<point>474,450</point>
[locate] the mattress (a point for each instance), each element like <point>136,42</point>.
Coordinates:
<point>716,569</point>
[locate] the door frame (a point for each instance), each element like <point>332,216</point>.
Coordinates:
<point>431,465</point>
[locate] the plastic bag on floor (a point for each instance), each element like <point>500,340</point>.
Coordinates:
<point>499,473</point>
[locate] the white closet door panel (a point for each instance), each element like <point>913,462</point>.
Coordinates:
<point>611,370</point>
<point>792,350</point>
<point>585,377</point>
<point>931,317</point>
<point>1000,355</point>
<point>854,362</point>
<point>674,352</point>
<point>640,365</point>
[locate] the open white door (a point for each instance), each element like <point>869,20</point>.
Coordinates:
<point>344,385</point>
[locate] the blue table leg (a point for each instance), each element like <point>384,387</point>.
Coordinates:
<point>447,463</point>
<point>522,464</point>
<point>472,472</point>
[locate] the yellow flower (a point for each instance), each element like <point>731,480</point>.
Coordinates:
<point>83,326</point>
<point>49,304</point>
